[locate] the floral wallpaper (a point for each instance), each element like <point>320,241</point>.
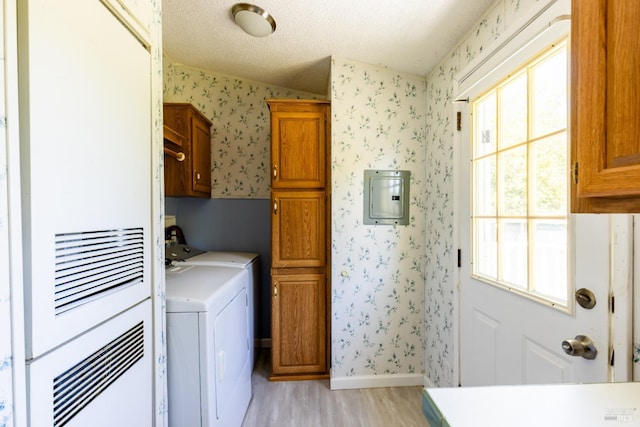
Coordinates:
<point>386,273</point>
<point>378,122</point>
<point>439,263</point>
<point>240,134</point>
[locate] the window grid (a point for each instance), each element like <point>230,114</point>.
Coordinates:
<point>500,218</point>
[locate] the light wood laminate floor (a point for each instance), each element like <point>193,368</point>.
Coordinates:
<point>313,404</point>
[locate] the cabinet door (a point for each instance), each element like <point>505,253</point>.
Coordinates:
<point>605,109</point>
<point>298,229</point>
<point>201,152</point>
<point>186,131</point>
<point>298,324</point>
<point>298,149</point>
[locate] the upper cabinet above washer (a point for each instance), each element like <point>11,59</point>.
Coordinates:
<point>605,88</point>
<point>187,144</point>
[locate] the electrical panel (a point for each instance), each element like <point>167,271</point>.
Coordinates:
<point>386,197</point>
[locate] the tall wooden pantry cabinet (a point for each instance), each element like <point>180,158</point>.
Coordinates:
<point>300,227</point>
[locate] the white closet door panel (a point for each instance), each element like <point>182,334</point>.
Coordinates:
<point>85,121</point>
<point>99,379</point>
<point>136,14</point>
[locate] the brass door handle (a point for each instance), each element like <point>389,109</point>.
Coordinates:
<point>580,346</point>
<point>275,290</point>
<point>275,207</point>
<point>275,171</point>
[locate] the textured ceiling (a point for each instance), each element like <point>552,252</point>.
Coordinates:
<point>405,35</point>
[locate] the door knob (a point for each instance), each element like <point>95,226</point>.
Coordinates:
<point>580,346</point>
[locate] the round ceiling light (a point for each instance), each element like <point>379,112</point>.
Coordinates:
<point>253,19</point>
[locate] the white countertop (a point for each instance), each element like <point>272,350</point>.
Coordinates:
<point>564,405</point>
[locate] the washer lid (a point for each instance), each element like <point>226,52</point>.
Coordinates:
<point>194,288</point>
<point>227,259</point>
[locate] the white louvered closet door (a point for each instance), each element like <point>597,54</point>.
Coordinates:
<point>86,173</point>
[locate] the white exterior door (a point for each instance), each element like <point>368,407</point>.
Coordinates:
<point>522,258</point>
<point>509,339</point>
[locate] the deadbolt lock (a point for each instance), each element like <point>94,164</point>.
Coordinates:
<point>585,298</point>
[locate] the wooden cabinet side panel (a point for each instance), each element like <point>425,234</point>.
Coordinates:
<point>298,324</point>
<point>605,132</point>
<point>298,237</point>
<point>623,83</point>
<point>175,181</point>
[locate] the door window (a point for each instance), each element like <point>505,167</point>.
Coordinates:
<point>519,199</point>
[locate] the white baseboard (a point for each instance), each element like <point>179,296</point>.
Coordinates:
<point>428,383</point>
<point>373,381</point>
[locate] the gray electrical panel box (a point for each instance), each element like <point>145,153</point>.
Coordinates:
<point>386,197</point>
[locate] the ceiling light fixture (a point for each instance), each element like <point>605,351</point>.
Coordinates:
<point>253,19</point>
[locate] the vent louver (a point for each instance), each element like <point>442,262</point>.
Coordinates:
<point>92,264</point>
<point>75,388</point>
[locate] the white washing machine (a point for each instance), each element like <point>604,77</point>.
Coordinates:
<point>185,255</point>
<point>209,361</point>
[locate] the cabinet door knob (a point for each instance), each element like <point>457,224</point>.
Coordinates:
<point>275,290</point>
<point>275,207</point>
<point>275,171</point>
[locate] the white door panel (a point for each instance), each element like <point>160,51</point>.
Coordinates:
<point>85,140</point>
<point>100,379</point>
<point>506,338</point>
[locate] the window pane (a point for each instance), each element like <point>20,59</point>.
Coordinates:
<point>550,258</point>
<point>486,248</point>
<point>513,112</point>
<point>519,177</point>
<point>485,125</point>
<point>549,94</point>
<point>549,172</point>
<point>512,166</point>
<point>513,252</point>
<point>484,195</point>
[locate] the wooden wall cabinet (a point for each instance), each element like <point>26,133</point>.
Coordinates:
<point>605,88</point>
<point>186,131</point>
<point>300,224</point>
